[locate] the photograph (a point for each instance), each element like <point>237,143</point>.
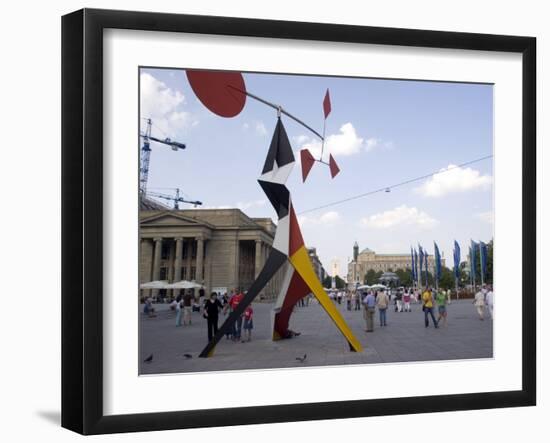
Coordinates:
<point>292,221</point>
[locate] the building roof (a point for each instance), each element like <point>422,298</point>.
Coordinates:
<point>213,218</point>
<point>366,250</point>
<point>147,204</point>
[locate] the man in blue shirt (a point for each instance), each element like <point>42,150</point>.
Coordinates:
<point>370,306</point>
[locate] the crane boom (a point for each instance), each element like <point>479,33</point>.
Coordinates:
<point>146,154</point>
<point>176,199</point>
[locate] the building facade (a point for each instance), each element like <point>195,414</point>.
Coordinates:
<point>316,262</point>
<point>367,260</point>
<point>219,248</point>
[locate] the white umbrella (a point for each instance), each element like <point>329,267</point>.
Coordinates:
<point>364,287</point>
<point>378,286</point>
<point>184,284</point>
<point>157,284</point>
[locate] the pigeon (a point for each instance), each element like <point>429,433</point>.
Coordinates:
<point>302,359</point>
<point>187,355</point>
<point>148,359</point>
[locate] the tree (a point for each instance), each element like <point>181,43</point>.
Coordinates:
<point>488,278</point>
<point>340,283</point>
<point>447,279</point>
<point>371,277</point>
<point>405,278</point>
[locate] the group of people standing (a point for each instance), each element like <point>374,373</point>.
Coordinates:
<point>380,301</point>
<point>211,308</point>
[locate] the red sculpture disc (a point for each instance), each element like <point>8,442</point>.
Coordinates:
<point>222,92</point>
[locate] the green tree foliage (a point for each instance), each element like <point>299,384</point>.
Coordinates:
<point>404,275</point>
<point>340,283</point>
<point>447,279</point>
<point>488,278</point>
<point>371,277</point>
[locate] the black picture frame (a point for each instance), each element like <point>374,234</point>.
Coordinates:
<point>82,218</point>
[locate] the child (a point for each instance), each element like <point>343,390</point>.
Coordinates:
<point>248,324</point>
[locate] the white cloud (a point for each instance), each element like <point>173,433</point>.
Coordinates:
<point>487,217</point>
<point>400,216</point>
<point>346,142</point>
<point>164,106</point>
<point>300,139</point>
<point>260,129</point>
<point>258,126</point>
<point>453,179</point>
<point>329,218</point>
<point>243,206</point>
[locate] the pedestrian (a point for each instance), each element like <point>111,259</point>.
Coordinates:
<point>415,296</point>
<point>479,302</point>
<point>187,307</point>
<point>441,301</point>
<point>407,301</point>
<point>177,307</point>
<point>382,302</point>
<point>357,301</point>
<point>448,296</point>
<point>348,300</point>
<point>248,324</point>
<point>339,297</point>
<point>398,301</point>
<point>428,307</point>
<point>210,312</point>
<point>369,302</point>
<point>148,309</point>
<point>489,300</point>
<point>233,303</point>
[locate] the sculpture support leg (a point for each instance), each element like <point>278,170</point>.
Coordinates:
<point>275,260</point>
<point>302,264</point>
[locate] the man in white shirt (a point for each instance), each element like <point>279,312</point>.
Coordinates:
<point>489,300</point>
<point>479,302</point>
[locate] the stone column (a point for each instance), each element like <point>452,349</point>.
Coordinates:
<point>236,283</point>
<point>156,262</point>
<point>200,260</point>
<point>258,262</point>
<point>171,260</point>
<point>177,263</point>
<point>189,257</point>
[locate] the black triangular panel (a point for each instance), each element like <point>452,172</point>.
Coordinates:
<point>278,195</point>
<point>279,150</point>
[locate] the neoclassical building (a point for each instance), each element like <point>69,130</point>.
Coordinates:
<point>367,259</point>
<point>219,248</point>
<point>316,262</point>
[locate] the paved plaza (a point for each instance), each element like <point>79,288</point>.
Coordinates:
<point>405,339</point>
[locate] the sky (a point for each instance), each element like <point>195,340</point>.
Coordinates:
<point>381,133</point>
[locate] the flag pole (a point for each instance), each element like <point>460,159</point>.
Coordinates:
<point>481,264</point>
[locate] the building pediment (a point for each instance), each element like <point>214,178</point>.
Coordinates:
<point>170,218</point>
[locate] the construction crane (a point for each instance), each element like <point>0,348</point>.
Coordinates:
<point>146,154</point>
<point>176,199</point>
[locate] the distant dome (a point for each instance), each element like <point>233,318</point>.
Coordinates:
<point>389,279</point>
<point>366,251</point>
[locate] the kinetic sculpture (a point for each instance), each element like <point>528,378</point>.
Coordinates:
<point>224,94</point>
